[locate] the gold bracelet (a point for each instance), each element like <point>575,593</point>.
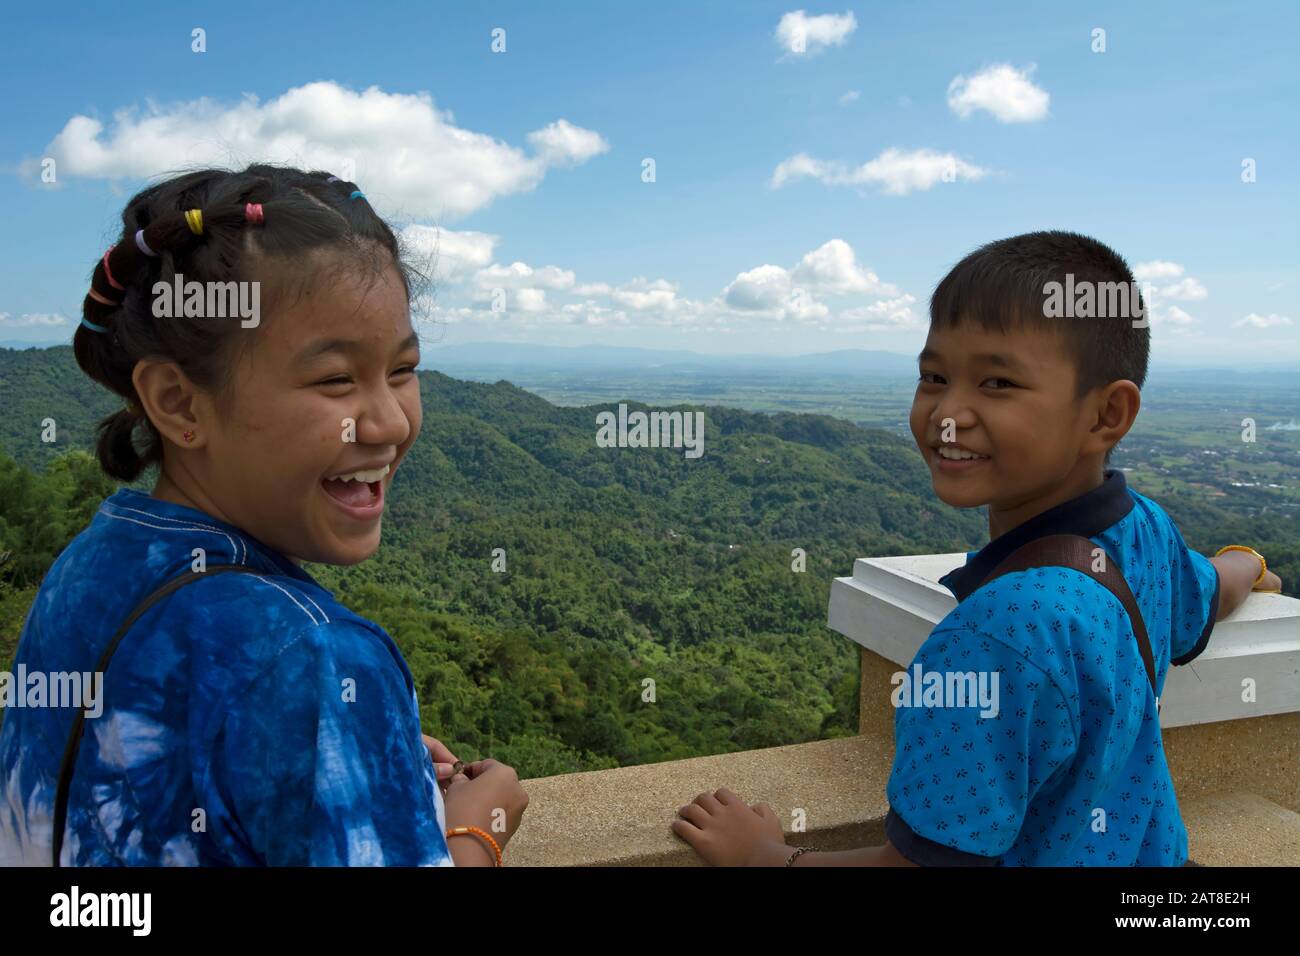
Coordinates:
<point>1263,565</point>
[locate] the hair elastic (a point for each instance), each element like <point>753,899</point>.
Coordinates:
<point>357,194</point>
<point>101,299</point>
<point>92,326</point>
<point>253,212</point>
<point>194,219</point>
<point>142,245</point>
<point>108,272</point>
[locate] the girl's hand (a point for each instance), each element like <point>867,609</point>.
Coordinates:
<point>443,761</point>
<point>488,797</point>
<point>726,831</point>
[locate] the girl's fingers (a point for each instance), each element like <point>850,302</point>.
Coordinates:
<point>438,751</point>
<point>725,796</point>
<point>478,767</point>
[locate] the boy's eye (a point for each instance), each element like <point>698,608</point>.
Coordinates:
<point>337,380</point>
<point>1007,381</point>
<point>926,381</point>
<point>405,370</point>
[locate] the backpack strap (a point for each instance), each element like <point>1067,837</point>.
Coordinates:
<point>79,721</point>
<point>1076,552</point>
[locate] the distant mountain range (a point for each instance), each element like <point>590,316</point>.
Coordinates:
<point>592,357</point>
<point>504,357</point>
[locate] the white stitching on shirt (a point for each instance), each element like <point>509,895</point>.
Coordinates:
<point>295,600</point>
<point>312,617</point>
<point>240,554</point>
<point>316,606</point>
<point>191,526</point>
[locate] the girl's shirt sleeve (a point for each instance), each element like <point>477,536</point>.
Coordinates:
<point>964,775</point>
<point>320,761</point>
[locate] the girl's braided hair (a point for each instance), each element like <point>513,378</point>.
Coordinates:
<point>302,212</point>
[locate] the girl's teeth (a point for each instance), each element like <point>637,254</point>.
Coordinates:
<point>375,474</point>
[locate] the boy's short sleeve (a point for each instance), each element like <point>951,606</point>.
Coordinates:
<point>1195,599</point>
<point>320,761</point>
<point>963,776</point>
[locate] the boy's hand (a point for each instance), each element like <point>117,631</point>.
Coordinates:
<point>726,831</point>
<point>1269,582</point>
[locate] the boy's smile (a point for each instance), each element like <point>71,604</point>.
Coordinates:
<point>996,418</point>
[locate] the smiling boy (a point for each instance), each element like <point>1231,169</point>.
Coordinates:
<point>1018,408</point>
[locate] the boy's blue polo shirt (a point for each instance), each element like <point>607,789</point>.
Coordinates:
<point>1071,771</point>
<point>248,719</point>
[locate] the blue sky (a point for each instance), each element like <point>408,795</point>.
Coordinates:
<point>803,199</point>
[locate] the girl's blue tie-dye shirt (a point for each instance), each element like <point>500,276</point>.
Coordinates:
<point>247,719</point>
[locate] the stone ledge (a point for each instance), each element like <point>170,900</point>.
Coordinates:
<point>1240,829</point>
<point>621,817</point>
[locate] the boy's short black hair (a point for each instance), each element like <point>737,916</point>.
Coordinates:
<point>1008,283</point>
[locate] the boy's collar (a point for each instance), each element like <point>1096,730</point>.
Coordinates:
<point>1089,514</point>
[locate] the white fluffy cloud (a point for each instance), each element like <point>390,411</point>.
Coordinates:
<point>450,256</point>
<point>1171,315</point>
<point>538,298</point>
<point>519,275</point>
<point>898,172</point>
<point>1186,289</point>
<point>1159,297</point>
<point>563,144</point>
<point>830,270</point>
<point>1002,90</point>
<point>410,157</point>
<point>1156,269</point>
<point>30,320</point>
<point>802,35</point>
<point>762,289</point>
<point>641,295</point>
<point>833,269</point>
<point>1270,321</point>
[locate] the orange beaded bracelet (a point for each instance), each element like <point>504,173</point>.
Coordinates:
<point>482,835</point>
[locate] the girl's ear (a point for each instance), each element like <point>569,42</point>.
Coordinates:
<point>175,406</point>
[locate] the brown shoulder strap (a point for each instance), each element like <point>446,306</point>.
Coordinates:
<point>1076,552</point>
<point>73,746</point>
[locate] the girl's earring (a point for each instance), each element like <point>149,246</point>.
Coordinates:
<point>188,435</point>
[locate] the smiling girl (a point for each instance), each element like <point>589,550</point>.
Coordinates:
<point>247,717</point>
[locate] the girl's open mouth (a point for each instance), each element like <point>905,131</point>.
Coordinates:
<point>359,494</point>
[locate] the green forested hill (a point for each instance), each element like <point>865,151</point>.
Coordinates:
<point>621,565</point>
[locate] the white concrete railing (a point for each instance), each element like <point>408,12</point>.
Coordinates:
<point>890,605</point>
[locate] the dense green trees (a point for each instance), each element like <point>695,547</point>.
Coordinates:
<point>648,609</point>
